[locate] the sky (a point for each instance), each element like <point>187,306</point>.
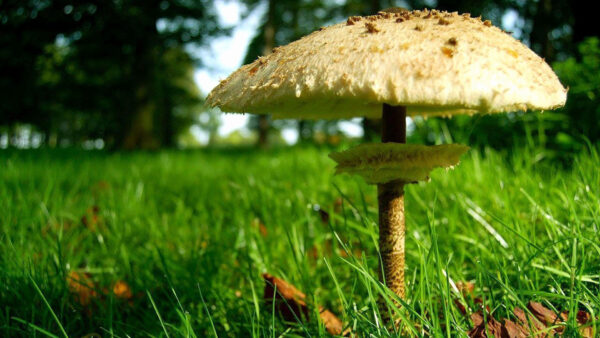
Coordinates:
<point>225,55</point>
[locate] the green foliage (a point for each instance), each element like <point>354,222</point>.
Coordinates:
<point>580,75</point>
<point>115,70</point>
<point>183,230</point>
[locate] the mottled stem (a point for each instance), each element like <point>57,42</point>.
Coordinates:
<point>391,208</point>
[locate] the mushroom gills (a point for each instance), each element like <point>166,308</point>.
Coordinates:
<point>385,162</point>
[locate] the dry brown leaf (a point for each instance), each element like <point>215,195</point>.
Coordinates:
<point>550,318</point>
<point>291,304</point>
<point>512,330</point>
<point>583,318</point>
<point>333,324</point>
<point>481,329</point>
<point>289,301</point>
<point>460,306</point>
<point>122,290</point>
<point>466,288</point>
<point>527,325</point>
<point>85,291</point>
<point>82,287</point>
<point>530,323</point>
<point>545,315</point>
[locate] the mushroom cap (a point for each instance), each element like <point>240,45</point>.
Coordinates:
<point>434,63</point>
<point>384,162</point>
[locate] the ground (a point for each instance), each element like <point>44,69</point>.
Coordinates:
<point>175,242</point>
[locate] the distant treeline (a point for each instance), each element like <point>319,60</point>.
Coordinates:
<point>120,71</point>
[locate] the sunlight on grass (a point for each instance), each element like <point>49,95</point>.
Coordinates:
<point>170,224</point>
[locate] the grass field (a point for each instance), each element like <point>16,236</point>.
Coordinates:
<point>189,234</point>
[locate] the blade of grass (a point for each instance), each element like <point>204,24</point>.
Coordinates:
<point>37,288</point>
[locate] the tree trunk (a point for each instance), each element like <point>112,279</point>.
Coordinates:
<point>541,28</point>
<point>585,23</point>
<point>263,120</point>
<point>140,134</point>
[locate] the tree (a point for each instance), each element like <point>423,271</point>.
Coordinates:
<point>122,70</point>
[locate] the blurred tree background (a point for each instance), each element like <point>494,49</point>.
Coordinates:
<point>120,73</point>
<point>116,71</point>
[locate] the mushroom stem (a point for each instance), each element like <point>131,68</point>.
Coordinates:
<point>391,208</point>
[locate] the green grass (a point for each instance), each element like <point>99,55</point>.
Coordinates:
<point>182,229</point>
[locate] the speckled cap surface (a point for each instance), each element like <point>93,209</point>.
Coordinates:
<point>384,162</point>
<point>434,63</point>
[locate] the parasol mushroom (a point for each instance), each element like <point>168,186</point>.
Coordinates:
<point>393,65</point>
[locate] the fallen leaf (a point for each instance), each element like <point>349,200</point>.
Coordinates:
<point>82,287</point>
<point>583,318</point>
<point>122,290</point>
<point>481,329</point>
<point>85,291</point>
<point>289,301</point>
<point>545,315</point>
<point>528,322</point>
<point>291,304</point>
<point>465,288</point>
<point>460,306</point>
<point>511,329</point>
<point>333,324</point>
<point>527,325</point>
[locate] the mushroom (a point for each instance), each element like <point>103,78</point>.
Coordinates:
<point>393,65</point>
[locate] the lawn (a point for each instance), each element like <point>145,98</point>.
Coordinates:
<point>174,242</point>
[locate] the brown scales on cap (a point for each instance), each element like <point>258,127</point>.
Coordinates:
<point>352,20</point>
<point>371,28</point>
<point>385,15</point>
<point>448,52</point>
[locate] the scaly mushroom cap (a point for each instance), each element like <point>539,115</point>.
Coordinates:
<point>385,162</point>
<point>435,63</point>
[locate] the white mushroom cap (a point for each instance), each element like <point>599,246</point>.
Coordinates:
<point>384,162</point>
<point>434,63</point>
